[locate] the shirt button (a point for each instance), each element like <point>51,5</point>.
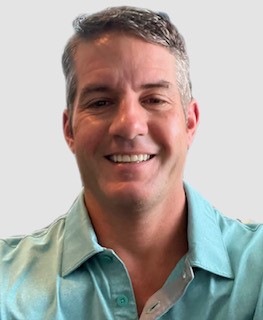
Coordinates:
<point>184,275</point>
<point>107,258</point>
<point>122,301</point>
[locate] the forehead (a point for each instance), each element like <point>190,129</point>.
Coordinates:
<point>122,55</point>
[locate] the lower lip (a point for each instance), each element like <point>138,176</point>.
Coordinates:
<point>130,163</point>
<point>128,171</point>
<point>128,167</point>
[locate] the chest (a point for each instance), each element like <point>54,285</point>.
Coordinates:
<point>102,289</point>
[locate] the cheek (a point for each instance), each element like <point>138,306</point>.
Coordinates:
<point>88,135</point>
<point>87,144</point>
<point>170,132</point>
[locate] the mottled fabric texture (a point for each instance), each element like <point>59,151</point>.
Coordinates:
<point>61,272</point>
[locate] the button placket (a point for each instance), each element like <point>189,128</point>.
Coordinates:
<point>120,285</point>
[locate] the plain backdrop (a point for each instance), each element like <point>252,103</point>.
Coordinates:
<point>39,179</point>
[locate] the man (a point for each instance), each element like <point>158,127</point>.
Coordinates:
<point>138,242</point>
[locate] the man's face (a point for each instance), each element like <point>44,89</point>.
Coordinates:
<point>130,136</point>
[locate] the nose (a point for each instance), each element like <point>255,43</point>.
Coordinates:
<point>129,120</point>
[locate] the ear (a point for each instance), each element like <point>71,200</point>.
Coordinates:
<point>67,128</point>
<point>192,120</point>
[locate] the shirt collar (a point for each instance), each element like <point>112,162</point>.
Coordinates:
<point>206,246</point>
<point>80,241</point>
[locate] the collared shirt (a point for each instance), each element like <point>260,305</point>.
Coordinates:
<point>61,272</point>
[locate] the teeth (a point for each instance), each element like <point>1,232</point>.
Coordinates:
<point>130,158</point>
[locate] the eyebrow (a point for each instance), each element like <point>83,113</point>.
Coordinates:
<point>95,88</point>
<point>159,84</point>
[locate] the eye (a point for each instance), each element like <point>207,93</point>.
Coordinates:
<point>154,101</point>
<point>98,104</point>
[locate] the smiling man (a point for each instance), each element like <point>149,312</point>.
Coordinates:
<point>138,242</point>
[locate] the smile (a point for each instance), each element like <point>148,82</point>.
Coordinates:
<point>125,158</point>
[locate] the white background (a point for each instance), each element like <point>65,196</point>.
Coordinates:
<point>38,175</point>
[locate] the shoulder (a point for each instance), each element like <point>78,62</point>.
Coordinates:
<point>244,244</point>
<point>236,230</point>
<point>29,266</point>
<point>20,250</point>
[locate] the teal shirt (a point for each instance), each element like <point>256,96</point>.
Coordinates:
<point>61,272</point>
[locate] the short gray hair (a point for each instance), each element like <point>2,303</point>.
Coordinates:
<point>153,27</point>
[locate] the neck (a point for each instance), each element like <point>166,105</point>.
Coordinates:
<point>162,228</point>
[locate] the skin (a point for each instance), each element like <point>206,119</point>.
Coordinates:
<point>128,103</point>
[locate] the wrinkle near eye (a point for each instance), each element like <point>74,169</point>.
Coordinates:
<point>94,90</point>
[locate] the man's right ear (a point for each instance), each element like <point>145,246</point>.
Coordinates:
<point>67,128</point>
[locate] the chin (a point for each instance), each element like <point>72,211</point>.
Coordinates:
<point>124,196</point>
<point>131,198</point>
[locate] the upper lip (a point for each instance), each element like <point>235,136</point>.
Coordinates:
<point>128,153</point>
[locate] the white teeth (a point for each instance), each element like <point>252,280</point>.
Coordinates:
<point>130,158</point>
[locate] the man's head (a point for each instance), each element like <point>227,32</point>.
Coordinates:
<point>150,26</point>
<point>130,118</point>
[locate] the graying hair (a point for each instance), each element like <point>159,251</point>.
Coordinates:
<point>151,26</point>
